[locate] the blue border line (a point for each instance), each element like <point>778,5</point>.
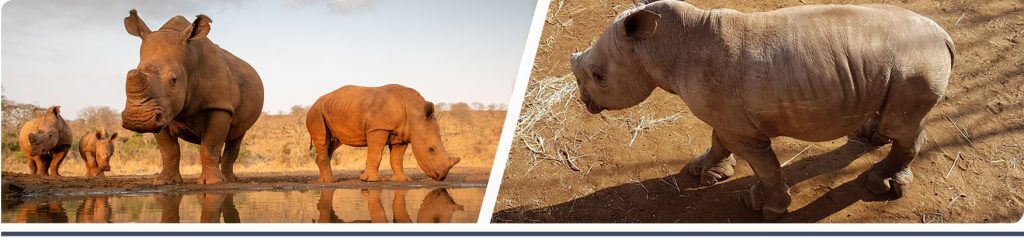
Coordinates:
<point>516,234</point>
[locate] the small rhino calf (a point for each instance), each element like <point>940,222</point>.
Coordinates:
<point>45,140</point>
<point>96,148</point>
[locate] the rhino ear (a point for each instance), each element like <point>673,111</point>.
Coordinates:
<point>428,109</point>
<point>639,25</point>
<point>55,110</point>
<point>134,25</point>
<point>99,135</point>
<point>113,136</point>
<point>200,28</point>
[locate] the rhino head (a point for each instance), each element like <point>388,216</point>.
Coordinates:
<point>104,149</point>
<point>48,132</point>
<point>157,89</point>
<point>609,74</point>
<point>427,146</point>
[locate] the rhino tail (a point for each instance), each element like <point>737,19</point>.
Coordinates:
<point>327,131</point>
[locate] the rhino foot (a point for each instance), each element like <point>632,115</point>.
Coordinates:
<point>897,184</point>
<point>400,178</point>
<point>210,178</point>
<point>771,206</point>
<point>369,178</point>
<point>230,177</point>
<point>326,179</point>
<point>167,179</point>
<point>709,175</point>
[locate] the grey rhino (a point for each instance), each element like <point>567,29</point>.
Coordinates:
<point>46,140</point>
<point>814,73</point>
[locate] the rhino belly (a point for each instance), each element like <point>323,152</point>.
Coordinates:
<point>811,120</point>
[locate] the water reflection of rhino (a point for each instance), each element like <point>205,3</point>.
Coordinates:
<point>437,207</point>
<point>42,211</point>
<point>91,210</point>
<point>212,207</point>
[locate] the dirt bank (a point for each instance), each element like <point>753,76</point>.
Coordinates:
<point>26,186</point>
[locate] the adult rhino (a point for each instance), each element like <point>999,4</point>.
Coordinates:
<point>187,87</point>
<point>392,116</point>
<point>814,73</point>
<point>45,140</point>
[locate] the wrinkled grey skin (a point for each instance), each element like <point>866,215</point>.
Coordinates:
<point>96,148</point>
<point>45,140</point>
<point>814,73</point>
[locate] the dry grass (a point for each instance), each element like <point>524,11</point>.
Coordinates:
<point>280,143</point>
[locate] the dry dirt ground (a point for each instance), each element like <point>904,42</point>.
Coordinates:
<point>19,185</point>
<point>622,166</point>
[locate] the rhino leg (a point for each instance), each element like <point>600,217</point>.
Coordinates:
<point>56,160</point>
<point>227,163</point>
<point>892,174</point>
<point>323,162</point>
<point>90,164</point>
<point>902,120</point>
<point>212,146</point>
<point>170,154</point>
<point>715,165</point>
<point>770,195</point>
<point>375,142</point>
<point>870,133</point>
<point>35,163</point>
<point>397,152</point>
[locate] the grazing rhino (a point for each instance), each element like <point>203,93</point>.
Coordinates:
<point>96,148</point>
<point>46,140</point>
<point>392,116</point>
<point>187,87</point>
<point>813,73</point>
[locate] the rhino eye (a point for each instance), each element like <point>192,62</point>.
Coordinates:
<point>431,150</point>
<point>598,75</point>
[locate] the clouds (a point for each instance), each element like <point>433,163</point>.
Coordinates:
<point>343,7</point>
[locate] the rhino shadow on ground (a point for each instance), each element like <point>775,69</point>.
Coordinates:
<point>657,200</point>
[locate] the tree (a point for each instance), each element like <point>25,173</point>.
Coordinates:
<point>16,114</point>
<point>299,110</point>
<point>96,117</point>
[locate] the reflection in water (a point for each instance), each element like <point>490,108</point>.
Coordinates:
<point>48,211</point>
<point>331,206</point>
<point>436,207</point>
<point>93,210</point>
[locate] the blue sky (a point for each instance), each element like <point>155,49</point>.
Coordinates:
<point>75,53</point>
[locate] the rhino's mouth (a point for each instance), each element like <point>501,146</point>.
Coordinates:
<point>592,107</point>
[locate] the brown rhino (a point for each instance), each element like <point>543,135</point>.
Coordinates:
<point>96,148</point>
<point>814,73</point>
<point>187,87</point>
<point>46,140</point>
<point>392,116</point>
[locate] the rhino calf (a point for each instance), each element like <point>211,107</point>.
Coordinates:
<point>814,73</point>
<point>391,116</point>
<point>45,140</point>
<point>96,148</point>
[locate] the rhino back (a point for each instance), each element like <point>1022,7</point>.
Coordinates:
<point>819,72</point>
<point>222,81</point>
<point>353,111</point>
<point>87,143</point>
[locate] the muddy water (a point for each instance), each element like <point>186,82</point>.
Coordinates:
<point>456,205</point>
